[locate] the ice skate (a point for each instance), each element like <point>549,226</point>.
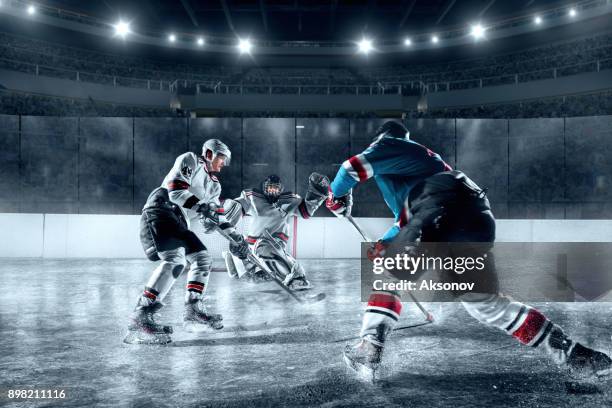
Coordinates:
<point>296,280</point>
<point>300,283</point>
<point>586,363</point>
<point>143,327</point>
<point>197,319</point>
<point>364,358</point>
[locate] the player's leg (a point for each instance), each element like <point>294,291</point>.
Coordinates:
<point>525,323</point>
<point>158,231</point>
<point>380,317</point>
<point>532,328</point>
<point>195,316</point>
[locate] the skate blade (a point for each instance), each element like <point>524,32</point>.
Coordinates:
<point>201,328</point>
<point>363,372</point>
<point>301,288</point>
<point>145,338</point>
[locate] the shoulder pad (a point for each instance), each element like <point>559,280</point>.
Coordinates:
<point>190,156</point>
<point>253,192</point>
<point>288,196</point>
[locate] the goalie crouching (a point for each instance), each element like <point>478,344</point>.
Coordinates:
<point>271,209</point>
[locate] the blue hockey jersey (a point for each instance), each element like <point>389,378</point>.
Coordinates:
<point>397,165</point>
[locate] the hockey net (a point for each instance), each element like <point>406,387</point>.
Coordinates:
<point>216,244</point>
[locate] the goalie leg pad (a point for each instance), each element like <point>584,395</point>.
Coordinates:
<point>234,265</point>
<point>280,263</point>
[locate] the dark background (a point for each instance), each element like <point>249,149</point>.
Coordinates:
<point>533,168</point>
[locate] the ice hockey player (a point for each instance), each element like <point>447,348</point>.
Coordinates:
<point>445,206</point>
<point>188,194</point>
<point>272,209</point>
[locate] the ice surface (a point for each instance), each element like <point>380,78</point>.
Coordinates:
<point>62,324</point>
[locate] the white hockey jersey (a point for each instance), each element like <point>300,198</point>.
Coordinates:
<point>273,217</point>
<point>189,183</point>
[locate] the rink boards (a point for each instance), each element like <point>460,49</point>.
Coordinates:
<point>116,236</point>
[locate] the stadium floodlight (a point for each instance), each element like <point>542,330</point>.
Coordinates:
<point>537,20</point>
<point>434,39</point>
<point>407,42</point>
<point>172,38</point>
<point>122,29</point>
<point>200,41</point>
<point>365,45</point>
<point>477,31</point>
<point>245,46</point>
<point>572,12</point>
<point>31,9</point>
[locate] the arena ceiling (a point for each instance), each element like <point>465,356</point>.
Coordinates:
<point>302,23</point>
<point>304,20</point>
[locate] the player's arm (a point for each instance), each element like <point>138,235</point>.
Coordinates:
<point>376,159</point>
<point>379,158</point>
<point>237,208</point>
<point>217,218</point>
<point>391,235</point>
<point>180,180</point>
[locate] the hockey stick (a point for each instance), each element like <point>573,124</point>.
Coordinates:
<point>409,326</point>
<point>428,316</point>
<point>261,264</point>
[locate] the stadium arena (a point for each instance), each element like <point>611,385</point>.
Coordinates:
<point>193,193</point>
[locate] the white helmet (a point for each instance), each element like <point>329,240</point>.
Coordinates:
<point>216,147</point>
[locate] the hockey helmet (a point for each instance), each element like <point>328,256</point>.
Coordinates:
<point>272,187</point>
<point>392,128</point>
<point>216,147</point>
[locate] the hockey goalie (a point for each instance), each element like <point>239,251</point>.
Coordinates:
<point>272,209</point>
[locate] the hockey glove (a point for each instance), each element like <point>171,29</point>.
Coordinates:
<point>209,216</point>
<point>377,251</point>
<point>340,206</point>
<point>239,249</point>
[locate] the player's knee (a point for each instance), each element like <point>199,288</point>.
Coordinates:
<point>496,310</point>
<point>201,261</point>
<point>173,261</point>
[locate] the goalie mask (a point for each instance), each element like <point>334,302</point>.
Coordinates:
<point>216,147</point>
<point>391,128</point>
<point>272,188</point>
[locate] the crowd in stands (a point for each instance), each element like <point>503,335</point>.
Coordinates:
<point>568,106</point>
<point>543,62</point>
<point>51,59</point>
<point>16,103</point>
<point>57,60</point>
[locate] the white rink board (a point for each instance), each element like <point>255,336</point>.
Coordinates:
<point>116,236</point>
<point>21,235</point>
